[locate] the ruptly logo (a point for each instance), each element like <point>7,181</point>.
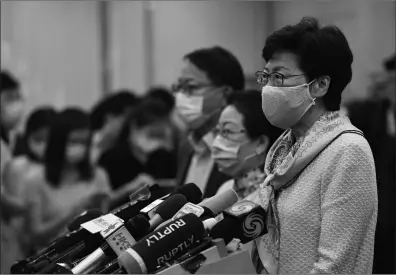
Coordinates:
<point>253,225</point>
<point>241,207</point>
<point>161,233</point>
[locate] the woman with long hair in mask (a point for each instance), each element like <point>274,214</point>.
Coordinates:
<point>65,185</point>
<point>34,139</point>
<point>243,137</point>
<point>320,192</point>
<point>31,149</point>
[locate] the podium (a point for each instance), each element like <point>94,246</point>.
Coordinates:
<point>214,260</point>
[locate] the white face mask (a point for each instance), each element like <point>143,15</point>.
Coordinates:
<point>224,149</point>
<point>285,106</point>
<point>75,153</point>
<point>146,145</point>
<point>189,106</point>
<point>227,154</point>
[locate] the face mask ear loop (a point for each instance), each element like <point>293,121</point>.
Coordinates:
<point>309,93</point>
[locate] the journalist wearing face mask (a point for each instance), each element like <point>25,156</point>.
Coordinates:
<point>11,111</point>
<point>65,184</point>
<point>144,152</point>
<point>30,151</point>
<point>207,77</point>
<point>243,137</point>
<point>107,118</point>
<point>320,192</point>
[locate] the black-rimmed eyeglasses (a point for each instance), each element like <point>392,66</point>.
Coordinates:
<point>275,78</point>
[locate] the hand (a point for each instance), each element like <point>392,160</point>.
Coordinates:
<point>145,179</point>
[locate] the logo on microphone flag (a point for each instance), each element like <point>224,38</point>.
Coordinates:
<point>187,209</point>
<point>102,223</point>
<point>241,208</point>
<point>121,240</point>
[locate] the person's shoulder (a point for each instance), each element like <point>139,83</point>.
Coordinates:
<point>229,184</point>
<point>351,147</point>
<point>101,178</point>
<point>35,179</point>
<point>20,163</point>
<point>100,173</point>
<point>353,141</point>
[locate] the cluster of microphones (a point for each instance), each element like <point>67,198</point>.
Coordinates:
<point>147,236</point>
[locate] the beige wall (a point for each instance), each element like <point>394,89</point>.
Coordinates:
<point>127,45</point>
<point>368,25</point>
<point>183,26</point>
<point>178,27</point>
<point>52,46</point>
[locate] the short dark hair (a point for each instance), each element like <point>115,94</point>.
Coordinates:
<point>8,82</point>
<point>220,65</point>
<point>147,112</point>
<point>40,118</point>
<point>248,103</point>
<point>68,120</point>
<point>389,63</point>
<point>321,51</point>
<point>115,104</point>
<point>164,95</point>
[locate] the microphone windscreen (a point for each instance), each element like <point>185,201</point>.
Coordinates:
<point>220,201</point>
<point>245,221</point>
<point>138,226</point>
<point>224,230</point>
<point>191,191</point>
<point>163,245</point>
<point>170,206</point>
<point>86,216</point>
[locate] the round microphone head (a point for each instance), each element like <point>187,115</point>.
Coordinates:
<point>163,245</point>
<point>85,216</point>
<point>223,230</point>
<point>221,201</point>
<point>191,191</point>
<point>170,206</point>
<point>138,226</point>
<point>21,267</point>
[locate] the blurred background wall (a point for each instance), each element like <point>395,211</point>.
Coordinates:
<point>73,52</point>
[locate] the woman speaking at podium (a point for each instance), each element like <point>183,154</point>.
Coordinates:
<point>320,192</point>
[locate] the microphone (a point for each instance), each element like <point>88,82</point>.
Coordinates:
<point>167,209</point>
<point>36,262</point>
<point>208,208</point>
<point>110,268</point>
<point>84,217</point>
<point>130,209</point>
<point>117,240</point>
<point>190,191</point>
<point>244,220</point>
<point>221,201</point>
<point>163,245</point>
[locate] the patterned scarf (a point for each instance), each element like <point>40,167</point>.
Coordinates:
<point>284,164</point>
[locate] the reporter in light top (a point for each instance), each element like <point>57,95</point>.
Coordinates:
<point>320,192</point>
<point>243,137</point>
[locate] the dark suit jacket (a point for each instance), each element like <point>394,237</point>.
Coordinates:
<point>185,154</point>
<point>370,117</point>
